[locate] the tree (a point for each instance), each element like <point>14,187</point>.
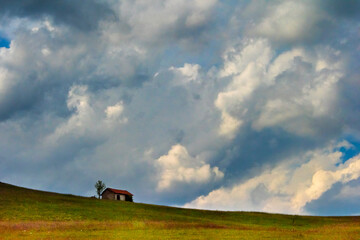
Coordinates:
<point>100,186</point>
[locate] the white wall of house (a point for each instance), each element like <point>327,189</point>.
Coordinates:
<point>119,196</point>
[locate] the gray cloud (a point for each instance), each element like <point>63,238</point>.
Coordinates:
<point>347,9</point>
<point>83,16</point>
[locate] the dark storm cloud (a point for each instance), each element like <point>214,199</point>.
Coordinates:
<point>83,15</point>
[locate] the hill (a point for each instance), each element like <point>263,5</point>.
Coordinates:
<point>31,214</point>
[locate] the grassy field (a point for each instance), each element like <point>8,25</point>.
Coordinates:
<point>30,214</point>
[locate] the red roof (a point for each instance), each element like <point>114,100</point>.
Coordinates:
<point>119,191</point>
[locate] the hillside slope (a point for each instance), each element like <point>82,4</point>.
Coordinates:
<point>31,214</point>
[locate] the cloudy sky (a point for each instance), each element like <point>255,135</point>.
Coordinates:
<point>230,105</point>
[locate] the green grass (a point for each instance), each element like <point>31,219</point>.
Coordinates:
<point>30,214</point>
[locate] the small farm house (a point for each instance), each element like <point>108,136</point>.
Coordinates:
<point>116,194</point>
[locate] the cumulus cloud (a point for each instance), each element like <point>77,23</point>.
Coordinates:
<point>89,120</point>
<point>189,72</point>
<point>161,21</point>
<point>246,66</point>
<point>179,167</point>
<point>78,100</point>
<point>114,112</point>
<point>289,186</point>
<point>278,91</point>
<point>171,95</point>
<point>291,21</point>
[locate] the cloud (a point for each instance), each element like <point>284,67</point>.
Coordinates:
<point>79,15</point>
<point>182,98</point>
<point>89,119</point>
<point>262,87</point>
<point>114,112</point>
<point>179,167</point>
<point>189,72</point>
<point>246,66</point>
<point>161,21</point>
<point>323,180</point>
<point>291,21</point>
<point>338,8</point>
<point>289,186</point>
<point>295,23</point>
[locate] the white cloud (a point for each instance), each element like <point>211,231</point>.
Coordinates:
<point>83,117</point>
<point>114,112</point>
<point>237,59</point>
<point>288,187</point>
<point>292,90</point>
<point>46,52</point>
<point>229,125</point>
<point>323,180</point>
<point>285,61</point>
<point>88,119</point>
<point>161,20</point>
<point>189,72</point>
<point>290,21</point>
<point>247,66</point>
<point>5,83</point>
<point>314,96</point>
<point>69,85</point>
<point>179,167</point>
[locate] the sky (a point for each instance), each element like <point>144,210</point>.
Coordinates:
<point>210,104</point>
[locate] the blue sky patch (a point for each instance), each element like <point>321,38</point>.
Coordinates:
<point>350,152</point>
<point>4,42</point>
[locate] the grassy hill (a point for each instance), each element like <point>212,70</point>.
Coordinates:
<point>31,214</point>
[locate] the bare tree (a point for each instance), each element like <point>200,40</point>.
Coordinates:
<point>100,186</point>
